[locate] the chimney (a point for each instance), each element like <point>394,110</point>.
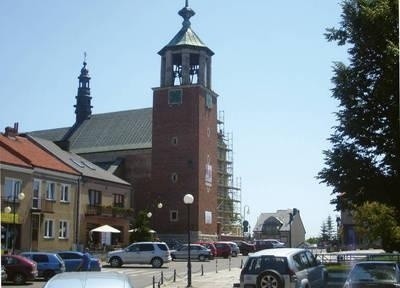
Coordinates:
<point>10,131</point>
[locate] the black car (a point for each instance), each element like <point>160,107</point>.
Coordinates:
<point>245,247</point>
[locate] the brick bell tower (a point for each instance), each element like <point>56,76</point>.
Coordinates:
<point>184,148</point>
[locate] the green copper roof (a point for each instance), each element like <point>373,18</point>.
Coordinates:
<point>123,130</point>
<point>186,36</point>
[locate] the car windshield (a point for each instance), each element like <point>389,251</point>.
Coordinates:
<point>372,272</point>
<point>258,264</point>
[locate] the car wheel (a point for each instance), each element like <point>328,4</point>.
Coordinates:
<point>115,262</point>
<point>19,278</point>
<point>48,274</point>
<point>173,257</point>
<point>245,253</point>
<point>202,258</point>
<point>156,262</point>
<point>269,279</point>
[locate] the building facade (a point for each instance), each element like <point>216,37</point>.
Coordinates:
<point>166,151</point>
<point>283,225</point>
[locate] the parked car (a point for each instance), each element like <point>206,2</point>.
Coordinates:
<point>268,244</point>
<point>48,264</point>
<point>209,245</point>
<point>235,250</point>
<point>73,259</point>
<point>283,268</point>
<point>90,280</point>
<point>374,274</point>
<point>223,249</point>
<point>19,269</point>
<point>245,247</point>
<point>154,253</point>
<point>3,274</point>
<point>197,251</point>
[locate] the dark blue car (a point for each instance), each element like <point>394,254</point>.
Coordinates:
<point>73,259</point>
<point>48,264</point>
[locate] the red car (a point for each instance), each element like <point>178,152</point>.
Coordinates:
<point>210,246</point>
<point>223,249</point>
<point>19,269</point>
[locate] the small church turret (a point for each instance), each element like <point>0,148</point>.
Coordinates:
<point>83,108</point>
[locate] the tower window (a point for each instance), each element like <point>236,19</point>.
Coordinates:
<point>174,141</point>
<point>174,177</point>
<point>177,69</point>
<point>194,68</point>
<point>175,96</point>
<point>173,215</point>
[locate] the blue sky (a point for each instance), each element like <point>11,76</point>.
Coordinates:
<point>272,69</point>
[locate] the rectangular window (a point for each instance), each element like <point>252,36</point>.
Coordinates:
<point>173,215</point>
<point>51,191</point>
<point>36,194</point>
<point>94,198</point>
<point>119,200</point>
<point>12,188</point>
<point>49,228</point>
<point>63,232</point>
<point>65,188</point>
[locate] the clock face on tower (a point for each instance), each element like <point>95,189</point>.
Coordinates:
<point>175,96</point>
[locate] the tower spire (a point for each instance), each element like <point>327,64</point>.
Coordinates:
<point>186,13</point>
<point>83,108</point>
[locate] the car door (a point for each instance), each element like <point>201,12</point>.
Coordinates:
<point>146,253</point>
<point>181,252</point>
<point>315,271</point>
<point>43,263</point>
<point>71,260</point>
<point>131,254</point>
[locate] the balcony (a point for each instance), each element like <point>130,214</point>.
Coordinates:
<point>42,205</point>
<point>111,211</point>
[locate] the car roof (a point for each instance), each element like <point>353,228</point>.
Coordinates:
<point>383,262</point>
<point>283,252</point>
<point>89,280</point>
<point>36,252</point>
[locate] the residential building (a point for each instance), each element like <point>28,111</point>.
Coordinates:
<point>42,218</point>
<point>104,199</point>
<point>283,225</point>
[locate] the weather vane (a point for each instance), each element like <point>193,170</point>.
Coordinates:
<point>84,56</point>
<point>187,3</point>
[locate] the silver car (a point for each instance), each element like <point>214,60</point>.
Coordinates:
<point>89,280</point>
<point>372,274</point>
<point>197,251</point>
<point>154,253</point>
<point>283,268</point>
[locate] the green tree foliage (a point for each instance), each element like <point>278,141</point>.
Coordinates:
<point>141,232</point>
<point>375,221</point>
<point>364,161</point>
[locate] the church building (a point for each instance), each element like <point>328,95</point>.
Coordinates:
<point>166,151</point>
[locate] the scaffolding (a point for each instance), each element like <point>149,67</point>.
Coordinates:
<point>229,188</point>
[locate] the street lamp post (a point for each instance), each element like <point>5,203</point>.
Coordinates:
<point>8,209</point>
<point>188,200</point>
<point>245,223</point>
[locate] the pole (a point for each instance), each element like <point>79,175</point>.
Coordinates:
<point>14,238</point>
<point>189,264</point>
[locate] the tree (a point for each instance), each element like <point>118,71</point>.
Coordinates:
<point>329,228</point>
<point>364,161</point>
<point>141,232</point>
<point>375,221</point>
